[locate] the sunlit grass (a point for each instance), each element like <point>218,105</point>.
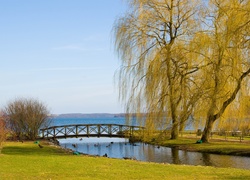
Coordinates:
<point>28,161</point>
<point>216,145</point>
<point>227,145</point>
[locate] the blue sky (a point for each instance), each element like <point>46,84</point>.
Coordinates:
<point>60,52</point>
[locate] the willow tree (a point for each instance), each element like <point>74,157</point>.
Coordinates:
<point>227,56</point>
<point>237,115</point>
<point>152,41</point>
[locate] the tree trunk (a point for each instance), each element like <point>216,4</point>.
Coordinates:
<point>213,117</point>
<point>175,130</point>
<point>183,120</point>
<point>208,128</point>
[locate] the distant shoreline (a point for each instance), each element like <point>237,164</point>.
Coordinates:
<point>90,115</point>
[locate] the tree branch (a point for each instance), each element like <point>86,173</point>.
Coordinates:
<point>232,97</point>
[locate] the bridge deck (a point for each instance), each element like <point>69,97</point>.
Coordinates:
<point>90,130</point>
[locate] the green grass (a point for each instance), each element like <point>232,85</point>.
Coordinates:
<point>217,146</point>
<point>28,161</point>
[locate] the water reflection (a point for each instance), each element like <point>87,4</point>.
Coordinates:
<point>175,156</point>
<point>120,148</point>
<point>206,159</point>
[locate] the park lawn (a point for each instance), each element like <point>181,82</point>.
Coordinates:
<point>216,146</point>
<point>28,161</point>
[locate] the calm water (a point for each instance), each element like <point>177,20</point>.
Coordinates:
<point>120,148</point>
<point>116,120</point>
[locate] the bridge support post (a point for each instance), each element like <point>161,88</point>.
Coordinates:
<point>120,128</point>
<point>109,130</point>
<point>87,130</point>
<point>54,132</point>
<point>76,131</point>
<point>98,130</point>
<point>65,132</point>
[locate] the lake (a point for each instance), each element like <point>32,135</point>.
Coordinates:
<point>121,148</point>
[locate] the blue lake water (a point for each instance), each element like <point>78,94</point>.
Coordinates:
<point>120,148</point>
<point>102,120</point>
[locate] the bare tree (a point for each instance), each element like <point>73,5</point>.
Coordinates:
<point>26,116</point>
<point>3,131</point>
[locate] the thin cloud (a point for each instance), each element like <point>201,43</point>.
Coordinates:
<point>77,48</point>
<point>69,68</point>
<point>70,47</point>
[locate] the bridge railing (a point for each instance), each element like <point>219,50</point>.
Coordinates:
<point>89,130</point>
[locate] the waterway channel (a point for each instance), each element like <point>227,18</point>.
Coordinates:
<point>121,148</point>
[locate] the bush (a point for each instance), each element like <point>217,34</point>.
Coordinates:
<point>25,117</point>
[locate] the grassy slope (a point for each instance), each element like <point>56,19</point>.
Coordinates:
<point>216,146</point>
<point>28,161</point>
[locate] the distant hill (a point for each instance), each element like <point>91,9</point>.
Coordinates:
<point>92,115</point>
